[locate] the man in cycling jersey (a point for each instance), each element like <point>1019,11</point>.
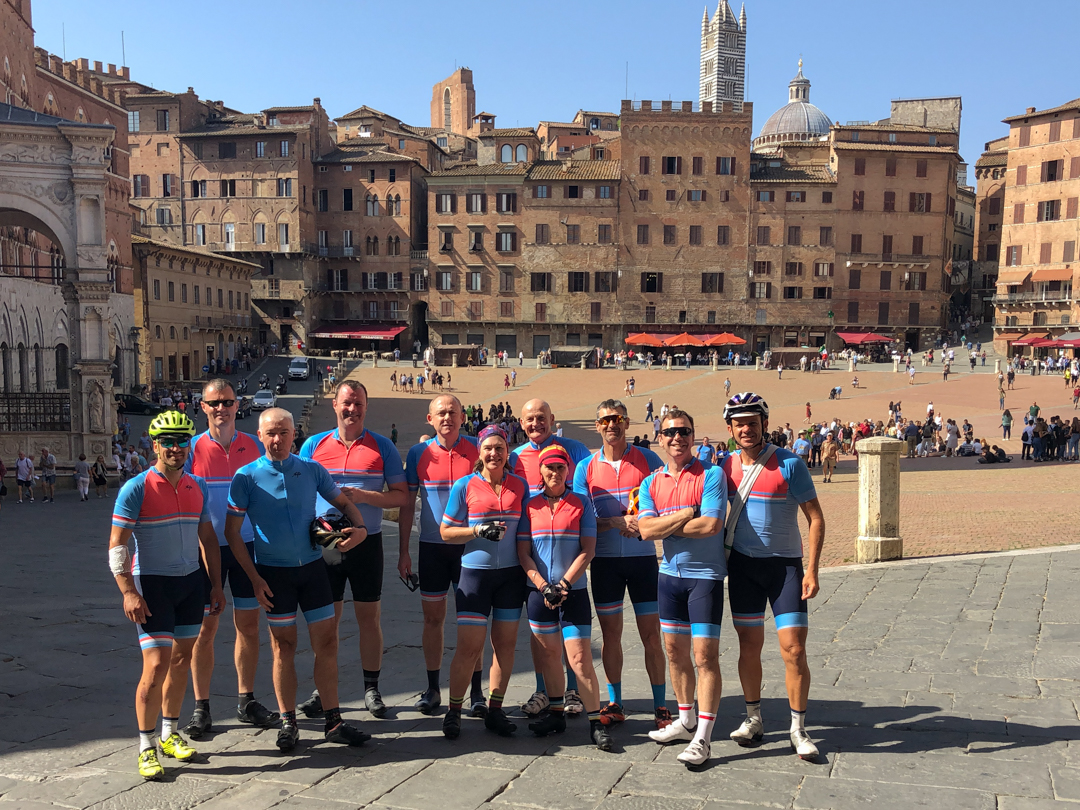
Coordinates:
<point>765,564</point>
<point>166,512</point>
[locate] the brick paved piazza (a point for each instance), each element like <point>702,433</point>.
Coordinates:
<point>937,682</point>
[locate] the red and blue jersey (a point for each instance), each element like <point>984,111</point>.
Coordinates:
<point>609,487</point>
<point>473,501</point>
<point>525,460</point>
<point>431,470</point>
<point>366,463</point>
<point>216,466</point>
<point>555,535</point>
<point>705,490</point>
<point>769,523</point>
<point>164,521</point>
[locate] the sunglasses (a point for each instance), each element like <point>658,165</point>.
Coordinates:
<point>213,403</point>
<point>168,444</point>
<point>671,433</point>
<point>412,583</point>
<point>612,419</point>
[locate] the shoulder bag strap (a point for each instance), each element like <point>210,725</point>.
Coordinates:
<point>742,493</point>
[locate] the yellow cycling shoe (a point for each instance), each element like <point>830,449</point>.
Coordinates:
<point>176,747</point>
<point>149,767</point>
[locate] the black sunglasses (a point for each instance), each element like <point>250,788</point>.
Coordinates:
<point>672,432</point>
<point>169,442</point>
<point>213,403</point>
<point>412,583</point>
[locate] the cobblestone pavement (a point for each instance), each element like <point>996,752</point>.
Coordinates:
<point>936,683</point>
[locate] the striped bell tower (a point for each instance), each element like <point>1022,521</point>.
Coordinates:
<point>723,55</point>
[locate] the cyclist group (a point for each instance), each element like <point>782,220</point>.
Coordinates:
<point>509,529</point>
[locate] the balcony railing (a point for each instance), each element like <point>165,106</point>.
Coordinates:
<point>417,255</point>
<point>332,251</point>
<point>889,258</point>
<point>1048,297</point>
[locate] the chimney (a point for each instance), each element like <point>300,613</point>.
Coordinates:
<point>1030,110</point>
<point>112,70</point>
<point>125,72</point>
<point>97,67</point>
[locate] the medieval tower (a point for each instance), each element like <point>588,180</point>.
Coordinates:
<point>723,55</point>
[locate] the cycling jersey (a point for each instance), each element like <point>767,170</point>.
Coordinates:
<point>279,498</point>
<point>610,487</point>
<point>769,523</point>
<point>473,501</point>
<point>432,470</point>
<point>555,536</point>
<point>216,465</point>
<point>366,463</point>
<point>704,489</point>
<point>525,460</point>
<point>164,521</point>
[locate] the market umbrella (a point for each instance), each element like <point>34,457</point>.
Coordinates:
<point>643,339</point>
<point>685,339</point>
<point>725,339</point>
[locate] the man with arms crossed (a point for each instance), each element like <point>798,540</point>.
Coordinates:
<point>277,493</point>
<point>360,462</point>
<point>165,510</point>
<point>623,561</point>
<point>766,566</point>
<point>215,457</point>
<point>683,504</point>
<point>431,469</point>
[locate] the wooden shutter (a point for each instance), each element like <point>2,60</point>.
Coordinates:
<point>678,165</point>
<point>1074,165</point>
<point>1021,175</point>
<point>1019,255</point>
<point>1076,127</point>
<point>365,281</point>
<point>1025,136</point>
<point>830,268</point>
<point>659,282</point>
<point>752,292</point>
<point>1055,131</point>
<point>453,203</point>
<point>733,165</point>
<point>643,165</point>
<point>768,289</point>
<point>911,202</point>
<point>329,279</point>
<point>704,195</point>
<point>1070,208</point>
<point>1045,250</point>
<point>1018,212</point>
<point>643,282</point>
<point>929,197</point>
<point>718,160</point>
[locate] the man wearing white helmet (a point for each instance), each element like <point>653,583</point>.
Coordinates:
<point>768,486</point>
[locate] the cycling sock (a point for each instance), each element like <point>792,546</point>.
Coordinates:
<point>146,740</point>
<point>244,699</point>
<point>433,679</point>
<point>704,726</point>
<point>371,679</point>
<point>753,709</point>
<point>333,717</point>
<point>540,682</point>
<point>571,679</point>
<point>203,704</point>
<point>456,703</point>
<point>659,695</point>
<point>477,687</point>
<point>557,704</point>
<point>798,720</point>
<point>614,691</point>
<point>495,700</point>
<point>594,717</point>
<point>686,715</point>
<point>168,726</point>
<point>288,718</point>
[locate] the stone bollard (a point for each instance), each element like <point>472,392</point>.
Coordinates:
<point>851,364</point>
<point>667,364</point>
<point>879,501</point>
<point>582,363</point>
<point>712,364</point>
<point>453,360</point>
<point>375,360</point>
<point>896,364</point>
<point>757,364</point>
<point>997,365</point>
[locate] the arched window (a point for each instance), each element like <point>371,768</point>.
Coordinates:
<point>39,368</point>
<point>24,369</point>
<point>447,118</point>
<point>157,329</point>
<point>397,205</point>
<point>594,123</point>
<point>393,246</point>
<point>522,153</point>
<point>368,210</point>
<point>506,154</point>
<point>62,370</point>
<point>5,367</point>
<point>185,333</point>
<point>172,333</point>
<point>374,246</point>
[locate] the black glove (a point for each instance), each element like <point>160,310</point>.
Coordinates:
<point>491,531</point>
<point>554,594</point>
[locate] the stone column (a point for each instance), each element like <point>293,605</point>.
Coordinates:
<point>896,364</point>
<point>667,364</point>
<point>879,501</point>
<point>757,364</point>
<point>712,364</point>
<point>851,364</point>
<point>582,363</point>
<point>997,365</point>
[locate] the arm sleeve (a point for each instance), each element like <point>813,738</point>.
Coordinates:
<point>412,463</point>
<point>646,506</point>
<point>800,484</point>
<point>457,507</point>
<point>588,517</point>
<point>714,494</point>
<point>239,494</point>
<point>324,483</point>
<point>393,472</point>
<point>581,480</point>
<point>129,504</point>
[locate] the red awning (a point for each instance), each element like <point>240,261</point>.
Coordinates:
<point>684,339</point>
<point>1009,336</point>
<point>360,333</point>
<point>724,339</point>
<point>859,338</point>
<point>1030,338</point>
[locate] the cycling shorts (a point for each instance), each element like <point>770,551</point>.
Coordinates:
<point>243,593</point>
<point>753,581</point>
<point>612,577</point>
<point>495,592</point>
<point>573,616</point>
<point>691,607</point>
<point>175,605</point>
<point>440,567</point>
<point>362,569</point>
<point>302,587</point>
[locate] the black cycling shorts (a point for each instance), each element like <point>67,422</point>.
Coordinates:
<point>362,569</point>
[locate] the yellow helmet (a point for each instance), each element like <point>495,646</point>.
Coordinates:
<point>171,423</point>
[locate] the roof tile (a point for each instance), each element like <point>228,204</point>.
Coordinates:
<point>576,170</point>
<point>1068,105</point>
<point>893,147</point>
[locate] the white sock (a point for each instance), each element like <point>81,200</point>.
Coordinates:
<point>146,740</point>
<point>798,720</point>
<point>686,716</point>
<point>753,710</point>
<point>168,726</point>
<point>704,726</point>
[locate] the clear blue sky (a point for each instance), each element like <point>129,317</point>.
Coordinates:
<point>545,64</point>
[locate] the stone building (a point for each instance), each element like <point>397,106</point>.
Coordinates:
<point>990,172</point>
<point>1037,257</point>
<point>194,307</point>
<point>723,56</point>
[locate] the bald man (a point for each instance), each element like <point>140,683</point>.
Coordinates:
<point>431,469</point>
<point>538,422</point>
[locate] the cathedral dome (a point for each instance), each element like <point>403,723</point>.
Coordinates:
<point>798,120</point>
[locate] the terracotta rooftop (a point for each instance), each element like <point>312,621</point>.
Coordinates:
<point>889,126</point>
<point>1068,105</point>
<point>989,159</point>
<point>520,132</point>
<point>577,170</point>
<point>792,174</point>
<point>472,169</point>
<point>307,108</point>
<point>215,130</point>
<point>348,155</point>
<point>365,110</point>
<point>892,147</point>
<point>136,239</point>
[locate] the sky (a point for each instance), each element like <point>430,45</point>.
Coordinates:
<point>533,63</point>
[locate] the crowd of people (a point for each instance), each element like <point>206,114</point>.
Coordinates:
<point>508,528</point>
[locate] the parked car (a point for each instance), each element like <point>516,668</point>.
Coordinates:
<point>129,403</point>
<point>243,411</point>
<point>263,399</point>
<point>299,369</point>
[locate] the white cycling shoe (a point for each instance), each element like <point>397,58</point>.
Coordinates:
<point>675,732</point>
<point>696,754</point>
<point>750,733</point>
<point>535,704</point>
<point>802,745</point>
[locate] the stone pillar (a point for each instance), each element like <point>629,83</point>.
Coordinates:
<point>997,365</point>
<point>453,360</point>
<point>896,364</point>
<point>879,501</point>
<point>667,364</point>
<point>374,359</point>
<point>757,364</point>
<point>712,364</point>
<point>582,363</point>
<point>851,364</point>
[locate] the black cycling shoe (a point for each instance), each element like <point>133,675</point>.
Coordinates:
<point>312,707</point>
<point>551,723</point>
<point>498,722</point>
<point>601,737</point>
<point>257,715</point>
<point>200,724</point>
<point>477,706</point>
<point>287,737</point>
<point>374,702</point>
<point>428,702</point>
<point>451,724</point>
<point>345,734</point>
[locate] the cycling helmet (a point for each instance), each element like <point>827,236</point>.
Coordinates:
<point>325,531</point>
<point>171,423</point>
<point>746,404</point>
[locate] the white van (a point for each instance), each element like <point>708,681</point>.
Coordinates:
<point>298,369</point>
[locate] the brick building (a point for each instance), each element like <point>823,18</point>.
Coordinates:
<point>990,173</point>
